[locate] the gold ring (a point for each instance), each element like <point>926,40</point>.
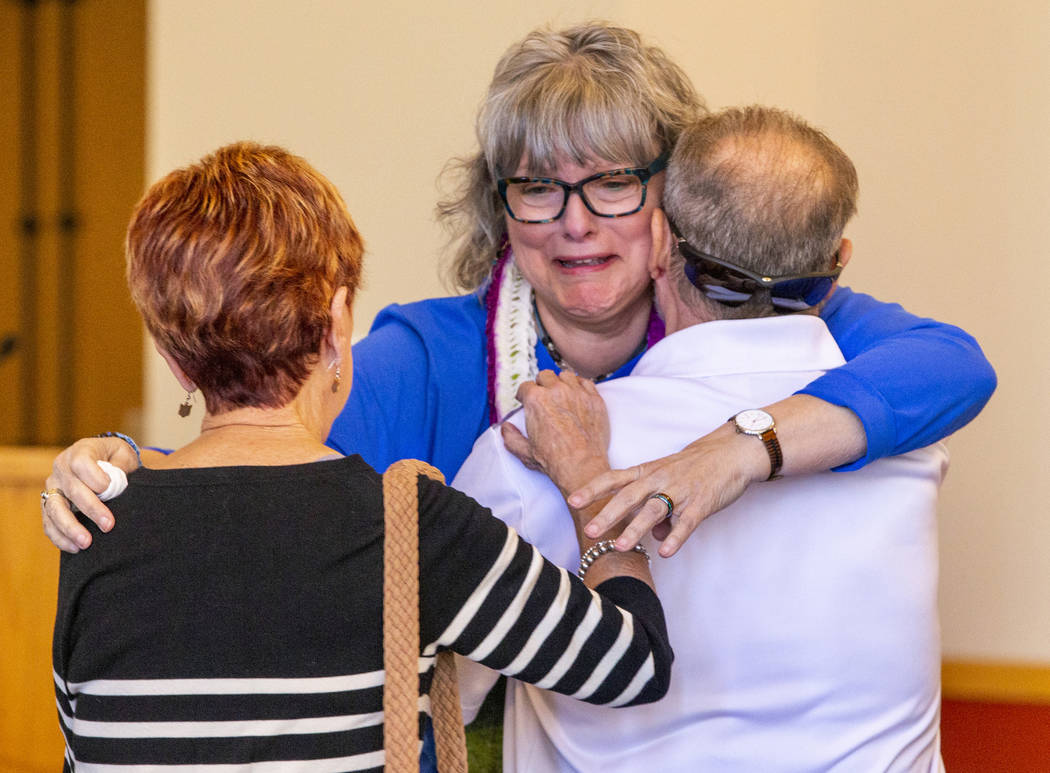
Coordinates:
<point>48,493</point>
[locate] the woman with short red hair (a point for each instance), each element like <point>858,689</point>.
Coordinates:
<point>236,615</point>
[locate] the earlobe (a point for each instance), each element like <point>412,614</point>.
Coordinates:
<point>845,251</point>
<point>660,251</point>
<point>173,366</point>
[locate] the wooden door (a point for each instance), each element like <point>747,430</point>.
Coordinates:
<point>72,126</point>
<point>30,739</point>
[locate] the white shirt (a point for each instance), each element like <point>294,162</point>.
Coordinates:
<point>803,616</point>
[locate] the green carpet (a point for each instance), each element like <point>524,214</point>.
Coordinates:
<point>485,734</point>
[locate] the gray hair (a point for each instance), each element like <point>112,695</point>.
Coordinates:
<point>763,189</point>
<point>593,91</point>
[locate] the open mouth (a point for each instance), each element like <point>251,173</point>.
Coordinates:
<point>583,262</point>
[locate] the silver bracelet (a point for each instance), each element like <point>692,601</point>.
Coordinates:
<point>598,549</point>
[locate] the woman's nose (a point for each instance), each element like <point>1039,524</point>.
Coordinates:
<point>577,221</point>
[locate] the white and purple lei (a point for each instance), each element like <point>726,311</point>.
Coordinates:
<point>510,335</point>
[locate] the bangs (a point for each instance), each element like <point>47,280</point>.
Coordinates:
<point>568,119</point>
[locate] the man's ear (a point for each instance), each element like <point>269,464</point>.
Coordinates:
<point>660,251</point>
<point>845,252</point>
<point>180,375</point>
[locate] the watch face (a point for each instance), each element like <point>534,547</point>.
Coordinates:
<point>754,420</point>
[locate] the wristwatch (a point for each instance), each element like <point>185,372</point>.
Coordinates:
<point>760,424</point>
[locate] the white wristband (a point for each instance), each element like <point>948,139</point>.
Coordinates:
<point>118,481</point>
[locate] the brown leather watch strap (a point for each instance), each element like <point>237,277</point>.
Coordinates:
<point>776,456</point>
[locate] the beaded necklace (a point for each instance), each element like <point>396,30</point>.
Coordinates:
<point>552,350</point>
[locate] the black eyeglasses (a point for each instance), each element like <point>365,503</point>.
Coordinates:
<point>615,193</point>
<point>733,285</point>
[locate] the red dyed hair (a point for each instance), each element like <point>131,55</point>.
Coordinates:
<point>233,262</point>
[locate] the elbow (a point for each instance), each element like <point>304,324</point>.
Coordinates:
<point>987,381</point>
<point>661,681</point>
<point>662,660</point>
<point>980,373</point>
<point>980,382</point>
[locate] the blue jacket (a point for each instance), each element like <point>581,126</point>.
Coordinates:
<point>419,386</point>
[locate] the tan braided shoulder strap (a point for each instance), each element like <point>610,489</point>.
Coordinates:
<point>401,636</point>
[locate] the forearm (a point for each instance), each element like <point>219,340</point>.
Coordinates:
<point>534,617</point>
<point>570,475</point>
<point>814,435</point>
<point>713,471</point>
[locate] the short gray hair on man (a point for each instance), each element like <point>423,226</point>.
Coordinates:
<point>761,188</point>
<point>592,91</point>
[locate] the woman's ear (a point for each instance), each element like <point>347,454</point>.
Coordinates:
<point>660,251</point>
<point>340,333</point>
<point>173,366</point>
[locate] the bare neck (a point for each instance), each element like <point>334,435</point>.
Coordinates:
<point>600,348</point>
<point>251,437</point>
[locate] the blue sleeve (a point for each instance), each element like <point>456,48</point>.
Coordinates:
<point>387,395</point>
<point>912,381</point>
<point>419,386</point>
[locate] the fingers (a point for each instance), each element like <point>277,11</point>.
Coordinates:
<point>79,465</point>
<point>661,530</point>
<point>681,528</point>
<point>60,525</point>
<point>548,379</point>
<point>76,474</point>
<point>602,486</point>
<point>630,490</point>
<point>651,513</point>
<point>53,533</point>
<point>518,445</point>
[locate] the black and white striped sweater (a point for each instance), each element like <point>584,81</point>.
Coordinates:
<point>234,617</point>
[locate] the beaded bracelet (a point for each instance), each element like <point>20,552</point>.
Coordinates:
<point>598,549</point>
<point>126,439</point>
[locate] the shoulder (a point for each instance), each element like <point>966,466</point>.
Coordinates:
<point>439,316</point>
<point>424,330</point>
<point>845,302</point>
<point>447,514</point>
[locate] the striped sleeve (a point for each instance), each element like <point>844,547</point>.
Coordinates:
<point>490,596</point>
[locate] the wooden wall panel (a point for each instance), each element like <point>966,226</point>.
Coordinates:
<point>110,170</point>
<point>10,105</point>
<point>30,739</point>
<point>78,367</point>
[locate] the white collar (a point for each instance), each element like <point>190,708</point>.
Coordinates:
<point>740,346</point>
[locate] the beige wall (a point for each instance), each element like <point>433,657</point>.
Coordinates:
<point>945,108</point>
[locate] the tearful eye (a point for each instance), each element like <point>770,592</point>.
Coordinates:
<point>537,189</point>
<point>614,186</point>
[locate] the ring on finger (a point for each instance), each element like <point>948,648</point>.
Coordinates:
<point>666,500</point>
<point>46,494</point>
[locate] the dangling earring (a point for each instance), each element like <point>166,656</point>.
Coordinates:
<point>187,405</point>
<point>338,374</point>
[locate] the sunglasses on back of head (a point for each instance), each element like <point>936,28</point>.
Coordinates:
<point>733,285</point>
